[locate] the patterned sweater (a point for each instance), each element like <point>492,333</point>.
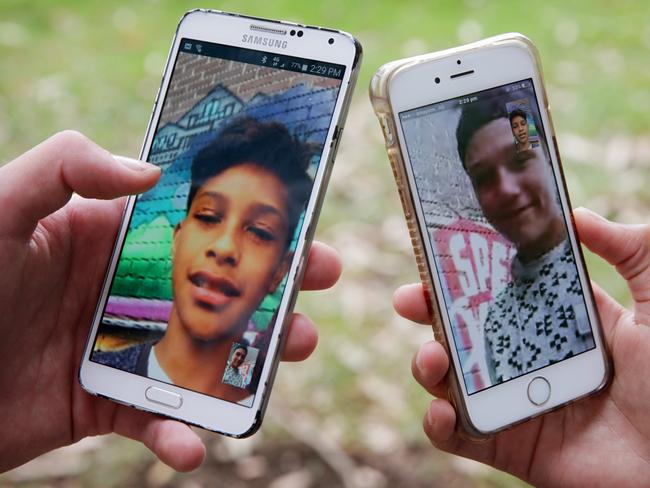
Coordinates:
<point>539,318</point>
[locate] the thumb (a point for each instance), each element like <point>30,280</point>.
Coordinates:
<point>43,179</point>
<point>627,247</point>
<point>174,443</point>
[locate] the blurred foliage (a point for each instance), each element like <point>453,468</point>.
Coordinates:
<point>95,66</point>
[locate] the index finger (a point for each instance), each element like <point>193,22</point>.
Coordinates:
<point>43,179</point>
<point>411,303</point>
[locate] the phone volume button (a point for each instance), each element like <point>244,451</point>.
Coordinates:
<point>393,163</point>
<point>336,139</point>
<point>338,130</point>
<point>299,269</point>
<point>407,211</point>
<point>160,88</point>
<point>387,127</point>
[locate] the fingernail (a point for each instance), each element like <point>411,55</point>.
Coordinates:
<point>418,360</point>
<point>592,213</point>
<point>430,419</point>
<point>418,357</point>
<point>135,164</point>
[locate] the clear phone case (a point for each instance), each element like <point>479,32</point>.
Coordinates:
<point>381,102</point>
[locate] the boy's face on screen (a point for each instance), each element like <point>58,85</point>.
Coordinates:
<point>238,357</point>
<point>513,188</point>
<point>230,250</point>
<point>520,129</point>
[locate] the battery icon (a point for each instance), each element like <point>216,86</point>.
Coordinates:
<point>304,67</point>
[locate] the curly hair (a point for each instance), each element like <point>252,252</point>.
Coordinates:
<point>517,113</point>
<point>268,145</point>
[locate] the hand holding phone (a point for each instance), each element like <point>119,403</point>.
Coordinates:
<point>594,442</point>
<point>53,254</point>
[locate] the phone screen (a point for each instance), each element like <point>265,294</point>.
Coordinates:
<point>204,264</point>
<point>504,262</point>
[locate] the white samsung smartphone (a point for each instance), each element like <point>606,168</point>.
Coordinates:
<point>469,135</point>
<point>207,265</point>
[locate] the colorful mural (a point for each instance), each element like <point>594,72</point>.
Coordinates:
<point>141,293</point>
<point>474,266</point>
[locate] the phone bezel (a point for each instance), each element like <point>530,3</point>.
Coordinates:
<point>413,86</point>
<point>197,408</point>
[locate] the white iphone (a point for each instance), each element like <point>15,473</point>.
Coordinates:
<point>469,135</point>
<point>207,265</point>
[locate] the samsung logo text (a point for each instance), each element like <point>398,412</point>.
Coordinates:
<point>263,41</point>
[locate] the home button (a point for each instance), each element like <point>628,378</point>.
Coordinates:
<point>163,397</point>
<point>539,391</point>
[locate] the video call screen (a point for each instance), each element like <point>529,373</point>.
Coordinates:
<point>203,266</point>
<point>486,187</point>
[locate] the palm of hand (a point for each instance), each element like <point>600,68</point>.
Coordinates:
<point>53,253</point>
<point>600,441</point>
<point>568,447</point>
<point>52,287</point>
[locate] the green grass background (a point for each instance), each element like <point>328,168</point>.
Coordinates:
<point>95,66</point>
